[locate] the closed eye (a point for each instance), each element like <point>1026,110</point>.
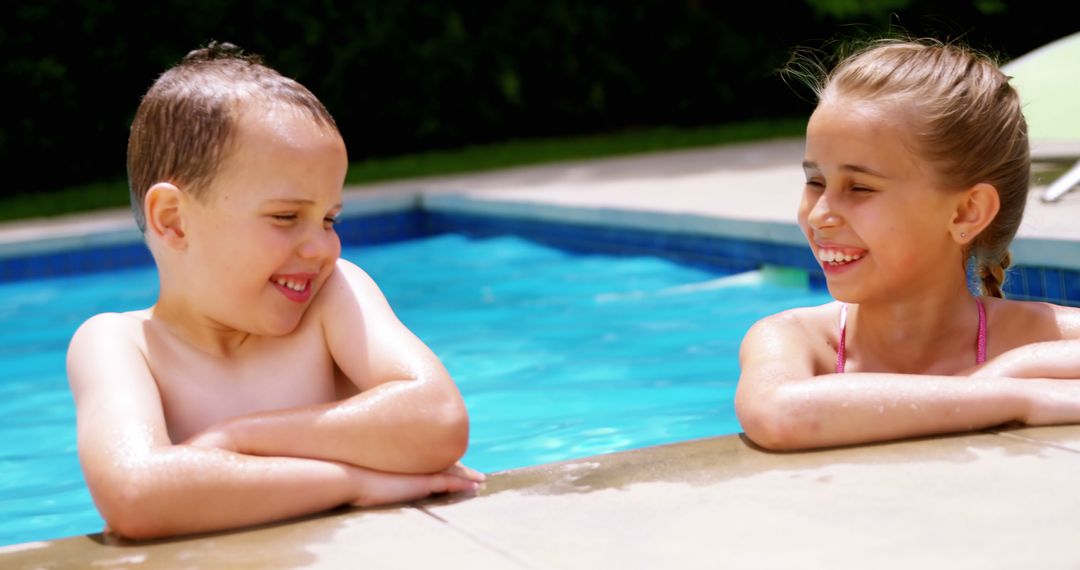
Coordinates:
<point>284,217</point>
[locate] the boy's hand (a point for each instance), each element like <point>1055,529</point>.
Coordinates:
<point>213,437</point>
<point>459,470</point>
<point>219,437</point>
<point>381,488</point>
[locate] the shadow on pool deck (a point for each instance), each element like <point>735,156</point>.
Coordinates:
<point>991,499</point>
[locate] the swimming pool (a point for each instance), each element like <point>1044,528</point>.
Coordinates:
<point>557,354</point>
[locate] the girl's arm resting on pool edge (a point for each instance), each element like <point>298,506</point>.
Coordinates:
<point>408,417</point>
<point>782,405</point>
<point>146,487</point>
<point>1051,359</point>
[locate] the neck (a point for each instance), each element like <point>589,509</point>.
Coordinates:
<point>925,330</point>
<point>196,329</point>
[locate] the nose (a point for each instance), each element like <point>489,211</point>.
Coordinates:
<point>320,243</point>
<point>821,212</point>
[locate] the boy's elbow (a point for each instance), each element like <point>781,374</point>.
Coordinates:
<point>128,512</point>
<point>455,428</point>
<point>449,437</point>
<point>134,527</point>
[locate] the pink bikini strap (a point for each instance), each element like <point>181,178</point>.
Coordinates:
<point>980,342</point>
<point>840,345</point>
<point>980,346</point>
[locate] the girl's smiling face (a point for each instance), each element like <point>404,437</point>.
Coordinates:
<point>874,216</point>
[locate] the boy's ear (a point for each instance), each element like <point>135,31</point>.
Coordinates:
<point>975,209</point>
<point>164,204</point>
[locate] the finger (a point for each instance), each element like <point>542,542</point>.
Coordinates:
<point>384,488</point>
<point>459,470</point>
<point>446,483</point>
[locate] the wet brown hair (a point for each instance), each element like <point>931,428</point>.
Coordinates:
<point>967,123</point>
<point>185,123</point>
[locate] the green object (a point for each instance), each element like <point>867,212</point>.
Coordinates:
<point>785,276</point>
<point>1048,80</point>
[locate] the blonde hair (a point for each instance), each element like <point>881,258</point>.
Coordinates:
<point>187,119</point>
<point>967,123</point>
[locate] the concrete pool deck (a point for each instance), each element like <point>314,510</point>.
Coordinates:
<point>989,499</point>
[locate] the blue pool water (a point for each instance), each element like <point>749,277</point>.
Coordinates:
<point>558,355</point>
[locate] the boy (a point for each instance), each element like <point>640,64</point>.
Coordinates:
<point>270,379</point>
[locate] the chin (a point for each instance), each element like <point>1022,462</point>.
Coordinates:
<point>282,328</point>
<point>843,294</point>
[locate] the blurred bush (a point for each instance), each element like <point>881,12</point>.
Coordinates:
<point>411,76</point>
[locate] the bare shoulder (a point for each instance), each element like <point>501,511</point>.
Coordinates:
<point>347,285</point>
<point>801,323</point>
<point>105,345</point>
<point>1067,320</point>
<point>804,338</point>
<point>353,273</point>
<point>109,329</point>
<point>364,336</point>
<point>1032,321</point>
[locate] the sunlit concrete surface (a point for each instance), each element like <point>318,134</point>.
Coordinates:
<point>979,500</point>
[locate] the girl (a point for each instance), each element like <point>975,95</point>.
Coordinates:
<point>916,165</point>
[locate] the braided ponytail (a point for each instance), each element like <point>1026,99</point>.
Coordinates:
<point>992,275</point>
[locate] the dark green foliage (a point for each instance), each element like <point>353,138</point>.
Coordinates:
<point>465,159</point>
<point>408,77</point>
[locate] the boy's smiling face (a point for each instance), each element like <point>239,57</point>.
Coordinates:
<point>262,243</point>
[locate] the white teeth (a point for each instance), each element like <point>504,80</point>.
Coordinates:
<point>837,256</point>
<point>298,287</point>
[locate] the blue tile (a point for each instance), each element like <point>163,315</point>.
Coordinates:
<point>1020,278</point>
<point>1055,285</point>
<point>1071,283</point>
<point>1033,279</point>
<point>721,254</point>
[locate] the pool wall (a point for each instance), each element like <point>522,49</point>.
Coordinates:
<point>719,244</point>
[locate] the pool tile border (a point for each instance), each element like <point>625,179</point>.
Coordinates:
<point>727,246</point>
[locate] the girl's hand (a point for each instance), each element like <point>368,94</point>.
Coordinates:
<point>1051,359</point>
<point>1053,403</point>
<point>1005,365</point>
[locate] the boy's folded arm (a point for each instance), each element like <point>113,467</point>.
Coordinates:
<point>783,405</point>
<point>408,417</point>
<point>142,484</point>
<point>146,487</point>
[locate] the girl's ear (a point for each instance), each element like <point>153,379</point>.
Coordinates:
<point>975,209</point>
<point>164,206</point>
